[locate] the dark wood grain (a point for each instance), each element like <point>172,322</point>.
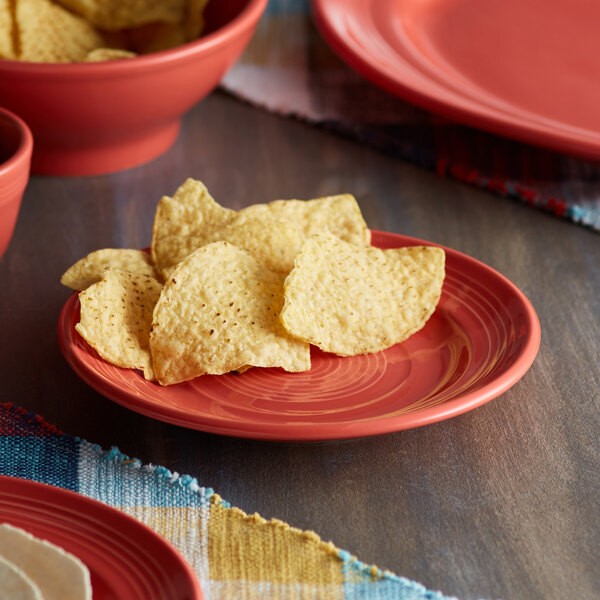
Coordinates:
<point>501,502</point>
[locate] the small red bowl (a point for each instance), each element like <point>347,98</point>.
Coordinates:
<point>93,118</point>
<point>16,144</point>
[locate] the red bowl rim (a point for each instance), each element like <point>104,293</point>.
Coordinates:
<point>206,44</point>
<point>23,152</point>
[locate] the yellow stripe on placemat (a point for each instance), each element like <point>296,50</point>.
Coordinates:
<point>249,548</point>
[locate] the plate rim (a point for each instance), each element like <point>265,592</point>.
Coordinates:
<point>95,510</point>
<point>471,111</point>
<point>297,432</point>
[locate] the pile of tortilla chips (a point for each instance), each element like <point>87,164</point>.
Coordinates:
<point>225,290</point>
<point>62,31</point>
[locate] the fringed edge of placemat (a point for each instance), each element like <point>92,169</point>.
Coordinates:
<point>213,519</point>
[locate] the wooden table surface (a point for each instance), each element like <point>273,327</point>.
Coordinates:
<point>501,502</point>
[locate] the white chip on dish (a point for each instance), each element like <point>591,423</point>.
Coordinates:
<point>58,574</point>
<point>16,585</point>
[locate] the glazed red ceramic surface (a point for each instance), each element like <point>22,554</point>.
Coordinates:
<point>482,338</point>
<point>524,69</point>
<point>16,144</point>
<point>91,118</point>
<point>126,559</point>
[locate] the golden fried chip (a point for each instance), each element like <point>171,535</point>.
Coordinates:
<point>339,214</point>
<point>272,232</point>
<point>194,20</point>
<point>90,269</point>
<point>102,54</point>
<point>351,300</point>
<point>178,219</point>
<point>120,14</point>
<point>219,312</point>
<point>49,33</point>
<point>116,315</point>
<point>273,243</point>
<point>7,33</point>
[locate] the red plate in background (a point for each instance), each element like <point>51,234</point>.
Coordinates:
<point>523,69</point>
<point>482,338</point>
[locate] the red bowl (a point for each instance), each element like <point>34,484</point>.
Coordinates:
<point>16,144</point>
<point>93,118</point>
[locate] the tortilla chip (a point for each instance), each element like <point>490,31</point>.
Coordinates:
<point>58,574</point>
<point>102,54</point>
<point>15,584</point>
<point>178,219</point>
<point>119,14</point>
<point>8,39</point>
<point>116,315</point>
<point>194,20</point>
<point>273,243</point>
<point>90,269</point>
<point>49,33</point>
<point>352,300</point>
<point>338,214</point>
<point>219,312</point>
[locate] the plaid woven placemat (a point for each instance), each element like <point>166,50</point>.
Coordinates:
<point>288,69</point>
<point>235,555</point>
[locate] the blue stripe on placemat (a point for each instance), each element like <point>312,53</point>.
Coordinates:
<point>46,459</point>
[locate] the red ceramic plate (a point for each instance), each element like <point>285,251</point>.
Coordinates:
<point>482,338</point>
<point>524,69</point>
<point>126,559</point>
